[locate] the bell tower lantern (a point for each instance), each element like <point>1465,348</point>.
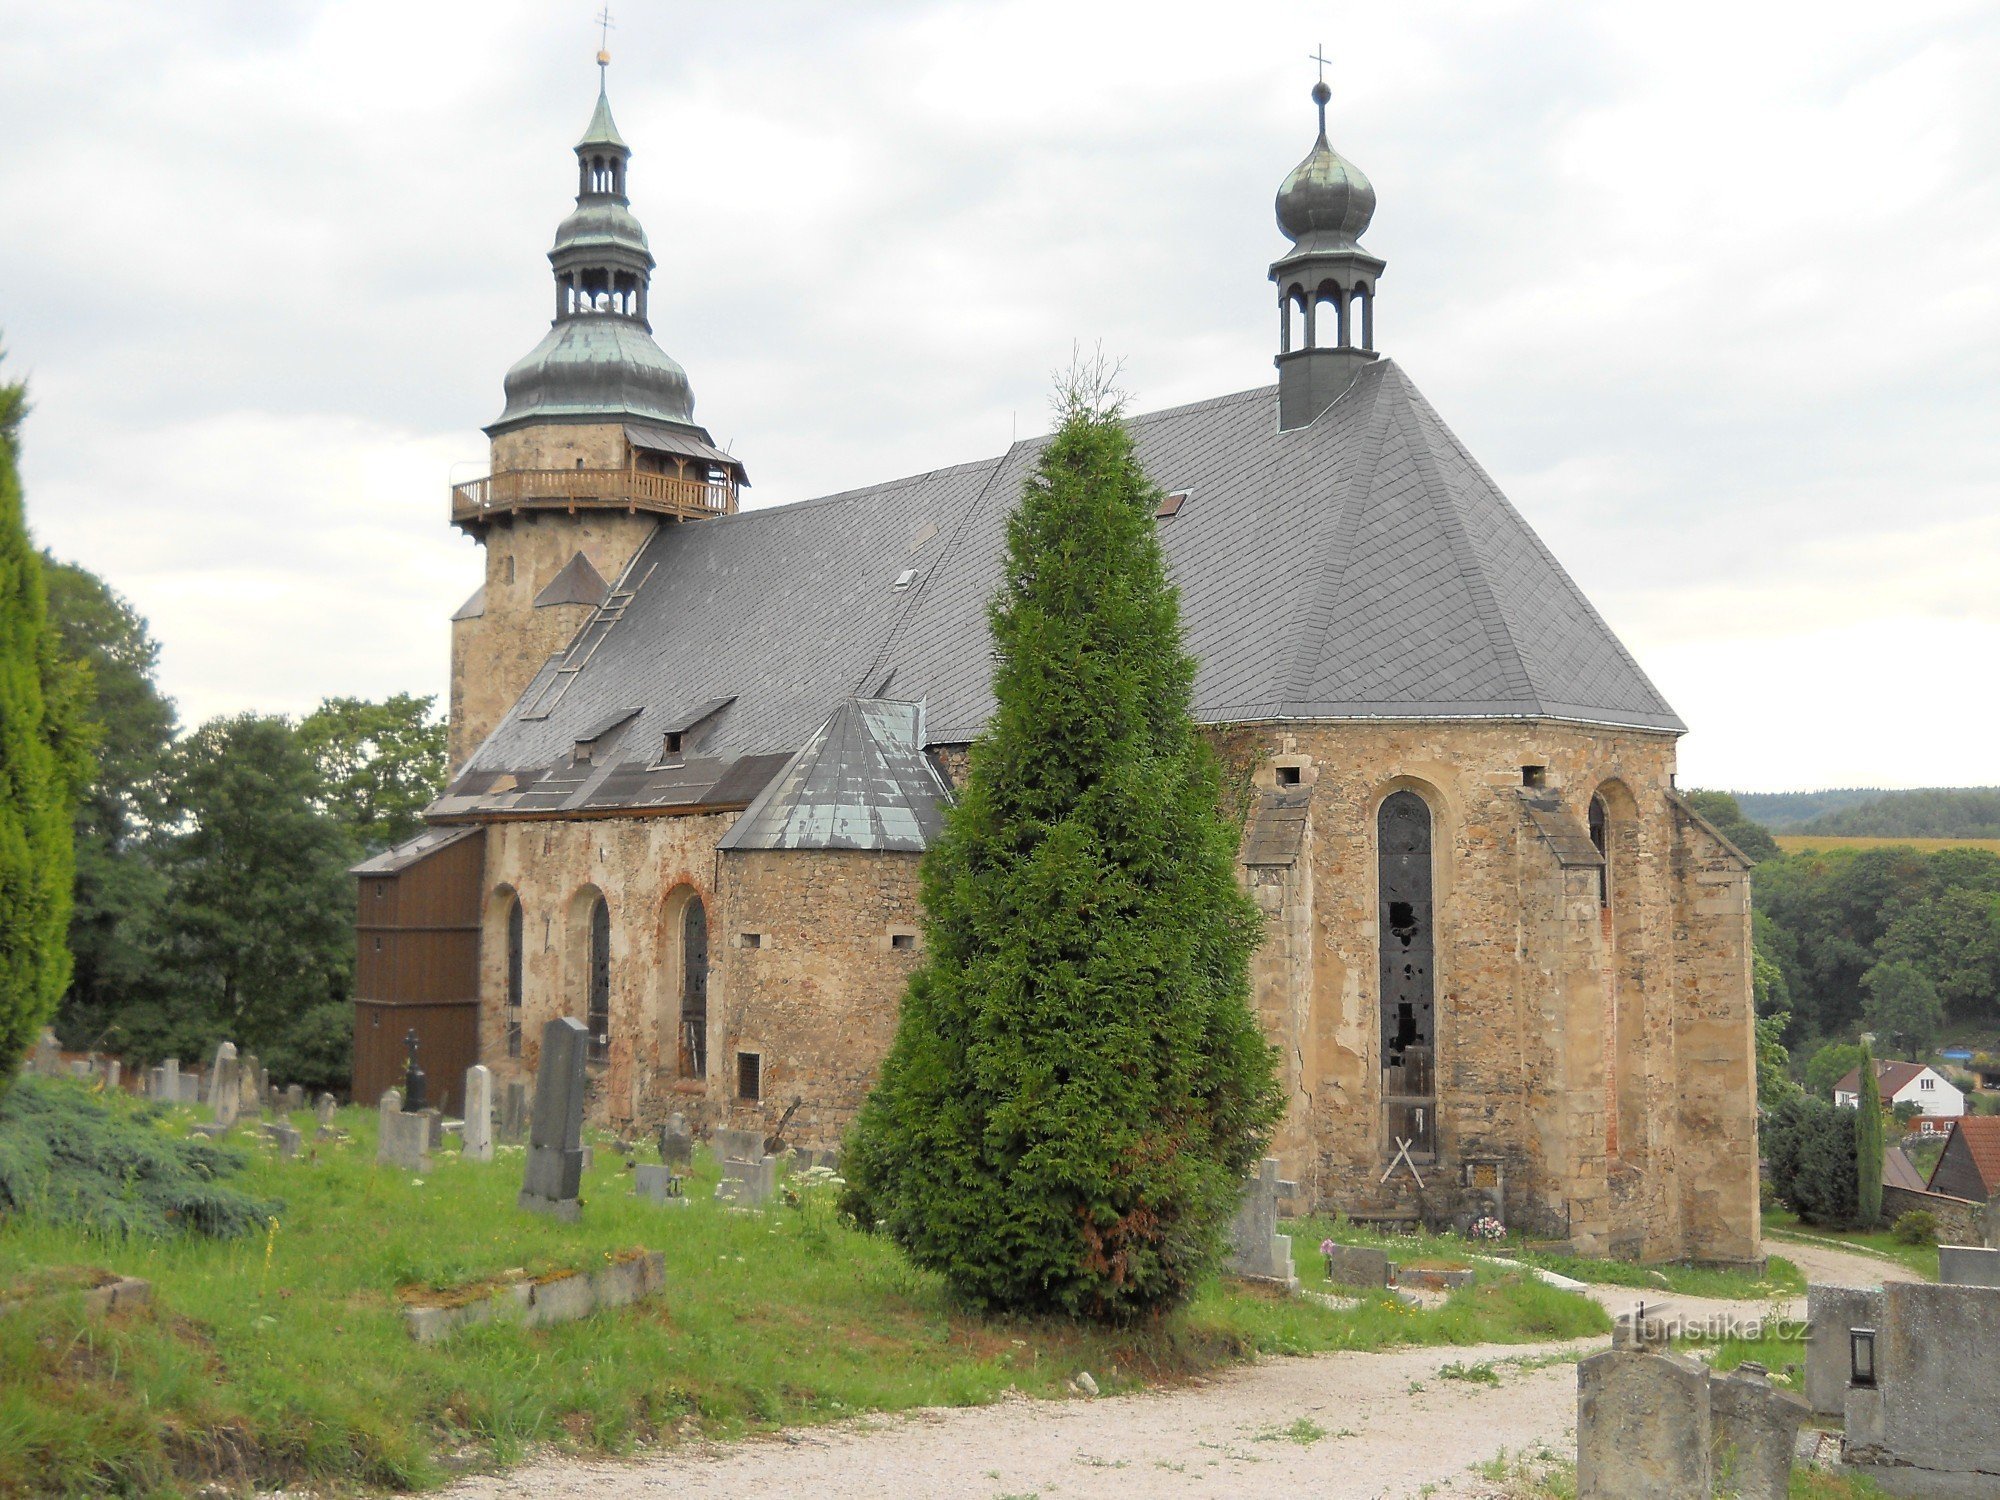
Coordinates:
<point>1326,281</point>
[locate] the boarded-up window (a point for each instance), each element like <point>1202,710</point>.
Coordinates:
<point>516,957</point>
<point>599,1018</point>
<point>1408,945</point>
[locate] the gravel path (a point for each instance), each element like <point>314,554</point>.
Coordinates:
<point>1390,1425</point>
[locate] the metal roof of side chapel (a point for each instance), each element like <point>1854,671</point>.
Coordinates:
<point>1340,555</point>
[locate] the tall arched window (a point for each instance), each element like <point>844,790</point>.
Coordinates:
<point>1408,946</point>
<point>516,959</point>
<point>694,990</point>
<point>1600,836</point>
<point>598,1016</point>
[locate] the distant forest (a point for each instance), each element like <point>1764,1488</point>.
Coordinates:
<point>1892,939</point>
<point>1873,812</point>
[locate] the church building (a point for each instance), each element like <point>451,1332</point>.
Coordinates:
<point>698,751</point>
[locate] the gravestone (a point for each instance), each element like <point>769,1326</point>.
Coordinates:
<point>323,1109</point>
<point>807,1158</point>
<point>739,1145</point>
<point>405,1141</point>
<point>156,1084</point>
<point>513,1113</point>
<point>748,1184</point>
<point>476,1143</point>
<point>1831,1311</point>
<point>191,1087</point>
<point>1358,1265</point>
<point>1257,1252</point>
<point>284,1137</point>
<point>48,1054</point>
<point>1643,1430</point>
<point>1753,1427</point>
<point>1989,1223</point>
<point>657,1185</point>
<point>1968,1265</point>
<point>555,1138</point>
<point>295,1099</point>
<point>247,1096</point>
<point>414,1084</point>
<point>113,1071</point>
<point>225,1096</point>
<point>433,1128</point>
<point>676,1143</point>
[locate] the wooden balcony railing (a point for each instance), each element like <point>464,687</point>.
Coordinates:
<point>591,489</point>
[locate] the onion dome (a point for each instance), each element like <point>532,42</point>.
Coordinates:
<point>597,366</point>
<point>1327,201</point>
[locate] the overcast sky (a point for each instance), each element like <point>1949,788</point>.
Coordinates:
<point>1712,289</point>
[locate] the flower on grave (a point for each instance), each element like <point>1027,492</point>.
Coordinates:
<point>1326,1247</point>
<point>1487,1228</point>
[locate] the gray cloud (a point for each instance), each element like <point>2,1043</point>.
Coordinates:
<point>1710,291</point>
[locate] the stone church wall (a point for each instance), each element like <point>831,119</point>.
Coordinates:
<point>816,998</point>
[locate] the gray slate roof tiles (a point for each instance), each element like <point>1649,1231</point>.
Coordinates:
<point>1360,567</point>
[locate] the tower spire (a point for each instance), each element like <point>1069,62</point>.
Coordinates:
<point>1326,281</point>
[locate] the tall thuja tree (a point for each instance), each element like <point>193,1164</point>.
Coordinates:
<point>1077,1084</point>
<point>44,761</point>
<point>1868,1145</point>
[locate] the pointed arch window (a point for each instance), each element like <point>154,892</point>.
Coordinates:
<point>516,964</point>
<point>598,1013</point>
<point>1600,838</point>
<point>1407,945</point>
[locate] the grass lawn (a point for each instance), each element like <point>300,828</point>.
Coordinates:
<point>1780,1279</point>
<point>282,1357</point>
<point>1541,1475</point>
<point>1782,1224</point>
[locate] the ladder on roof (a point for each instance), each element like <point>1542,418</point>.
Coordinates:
<point>588,639</point>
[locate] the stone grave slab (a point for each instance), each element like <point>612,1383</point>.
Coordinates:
<point>1643,1430</point>
<point>1257,1252</point>
<point>1968,1265</point>
<point>225,1093</point>
<point>658,1185</point>
<point>476,1139</point>
<point>554,1175</point>
<point>676,1143</point>
<point>1754,1428</point>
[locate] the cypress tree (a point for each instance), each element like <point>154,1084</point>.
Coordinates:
<point>1077,1084</point>
<point>44,761</point>
<point>1868,1145</point>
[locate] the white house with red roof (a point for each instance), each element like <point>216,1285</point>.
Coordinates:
<point>1904,1083</point>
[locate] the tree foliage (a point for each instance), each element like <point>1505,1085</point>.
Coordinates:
<point>1868,1148</point>
<point>1926,813</point>
<point>118,883</point>
<point>1809,1146</point>
<point>1830,1064</point>
<point>44,762</point>
<point>257,926</point>
<point>379,764</point>
<point>1902,1007</point>
<point>1077,1085</point>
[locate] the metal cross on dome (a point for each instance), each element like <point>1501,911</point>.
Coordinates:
<point>605,26</point>
<point>1322,59</point>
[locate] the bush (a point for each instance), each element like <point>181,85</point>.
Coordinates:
<point>317,1051</point>
<point>69,1157</point>
<point>1809,1145</point>
<point>1917,1227</point>
<point>1077,1084</point>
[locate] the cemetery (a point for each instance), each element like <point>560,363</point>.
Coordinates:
<point>614,1317</point>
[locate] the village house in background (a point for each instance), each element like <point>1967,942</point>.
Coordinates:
<point>1904,1083</point>
<point>698,752</point>
<point>1969,1165</point>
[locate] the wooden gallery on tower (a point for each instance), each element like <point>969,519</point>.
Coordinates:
<point>698,751</point>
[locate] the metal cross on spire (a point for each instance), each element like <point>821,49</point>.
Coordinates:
<point>605,26</point>
<point>1322,59</point>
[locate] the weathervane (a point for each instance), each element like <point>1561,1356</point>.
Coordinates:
<point>605,25</point>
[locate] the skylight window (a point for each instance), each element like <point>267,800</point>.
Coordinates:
<point>1170,504</point>
<point>904,579</point>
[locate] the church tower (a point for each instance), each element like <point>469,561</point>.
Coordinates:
<point>1326,281</point>
<point>597,447</point>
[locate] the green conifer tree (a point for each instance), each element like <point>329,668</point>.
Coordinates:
<point>1077,1084</point>
<point>1868,1146</point>
<point>44,761</point>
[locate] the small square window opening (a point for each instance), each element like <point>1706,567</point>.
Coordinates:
<point>749,1076</point>
<point>670,744</point>
<point>1288,776</point>
<point>751,939</point>
<point>1534,776</point>
<point>903,942</point>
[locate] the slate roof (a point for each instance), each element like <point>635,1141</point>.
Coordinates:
<point>861,782</point>
<point>1979,1136</point>
<point>1363,566</point>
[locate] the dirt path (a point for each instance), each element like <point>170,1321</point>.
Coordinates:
<point>1391,1426</point>
<point>1387,1425</point>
